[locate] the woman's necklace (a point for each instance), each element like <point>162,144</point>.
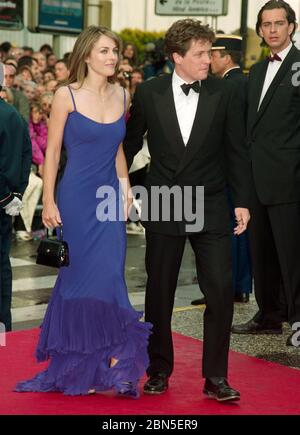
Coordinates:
<point>100,98</point>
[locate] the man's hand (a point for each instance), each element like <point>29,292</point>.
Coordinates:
<point>242,216</point>
<point>41,171</point>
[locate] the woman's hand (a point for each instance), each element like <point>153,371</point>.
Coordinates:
<point>51,216</point>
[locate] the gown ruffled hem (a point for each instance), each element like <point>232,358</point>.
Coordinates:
<point>80,337</point>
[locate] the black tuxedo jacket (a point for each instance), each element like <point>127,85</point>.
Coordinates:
<point>216,153</point>
<point>15,151</point>
<point>237,76</point>
<point>274,131</point>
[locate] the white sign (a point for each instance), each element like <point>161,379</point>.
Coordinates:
<point>191,7</point>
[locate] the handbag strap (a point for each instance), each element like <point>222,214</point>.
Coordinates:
<point>59,230</point>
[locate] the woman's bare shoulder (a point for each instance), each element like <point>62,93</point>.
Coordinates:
<point>63,99</point>
<point>120,92</point>
<point>62,92</point>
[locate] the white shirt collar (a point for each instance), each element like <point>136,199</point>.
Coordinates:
<point>177,81</point>
<point>283,54</point>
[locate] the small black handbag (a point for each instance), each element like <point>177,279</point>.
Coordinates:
<point>53,253</point>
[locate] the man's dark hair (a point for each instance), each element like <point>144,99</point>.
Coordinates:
<point>236,56</point>
<point>27,48</point>
<point>277,4</point>
<point>26,60</point>
<point>67,56</point>
<point>46,47</point>
<point>139,71</point>
<point>64,61</point>
<point>5,46</point>
<point>180,35</point>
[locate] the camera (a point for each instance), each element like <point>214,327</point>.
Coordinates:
<point>126,75</point>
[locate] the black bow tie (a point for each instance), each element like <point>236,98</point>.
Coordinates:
<point>187,87</point>
<point>275,57</point>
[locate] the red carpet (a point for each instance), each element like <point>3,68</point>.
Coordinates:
<point>266,388</point>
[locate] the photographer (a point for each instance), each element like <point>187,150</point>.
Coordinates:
<point>136,78</point>
<point>156,61</point>
<point>124,74</point>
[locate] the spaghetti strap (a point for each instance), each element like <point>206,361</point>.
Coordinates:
<point>124,101</point>
<point>69,87</point>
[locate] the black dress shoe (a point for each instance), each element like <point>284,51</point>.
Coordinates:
<point>253,327</point>
<point>201,301</point>
<point>219,389</point>
<point>157,384</point>
<point>242,298</point>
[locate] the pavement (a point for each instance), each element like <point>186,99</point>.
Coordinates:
<point>32,287</point>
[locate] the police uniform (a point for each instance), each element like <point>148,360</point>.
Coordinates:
<point>16,154</point>
<point>241,261</point>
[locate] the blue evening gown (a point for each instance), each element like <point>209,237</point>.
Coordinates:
<point>89,319</point>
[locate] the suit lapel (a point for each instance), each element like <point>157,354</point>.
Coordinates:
<point>285,67</point>
<point>165,106</point>
<point>255,97</point>
<point>207,105</point>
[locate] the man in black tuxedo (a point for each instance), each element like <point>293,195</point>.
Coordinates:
<point>196,133</point>
<point>274,142</point>
<point>15,152</point>
<point>225,63</point>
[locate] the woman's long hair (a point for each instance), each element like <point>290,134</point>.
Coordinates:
<point>82,49</point>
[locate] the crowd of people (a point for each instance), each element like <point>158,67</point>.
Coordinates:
<point>31,79</point>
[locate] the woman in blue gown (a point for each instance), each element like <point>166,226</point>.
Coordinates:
<point>91,334</point>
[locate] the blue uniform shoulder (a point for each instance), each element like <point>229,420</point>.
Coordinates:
<point>7,110</point>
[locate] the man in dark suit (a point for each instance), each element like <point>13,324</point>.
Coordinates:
<point>274,142</point>
<point>20,101</point>
<point>195,137</point>
<point>15,152</point>
<point>226,64</point>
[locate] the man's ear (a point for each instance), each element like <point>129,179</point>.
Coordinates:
<point>292,27</point>
<point>228,58</point>
<point>177,58</point>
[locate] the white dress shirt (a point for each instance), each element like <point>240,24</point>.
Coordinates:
<point>272,70</point>
<point>186,107</point>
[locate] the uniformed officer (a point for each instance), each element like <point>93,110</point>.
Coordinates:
<point>226,64</point>
<point>15,152</point>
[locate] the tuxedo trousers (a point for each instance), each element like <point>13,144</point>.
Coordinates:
<point>274,232</point>
<point>212,249</point>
